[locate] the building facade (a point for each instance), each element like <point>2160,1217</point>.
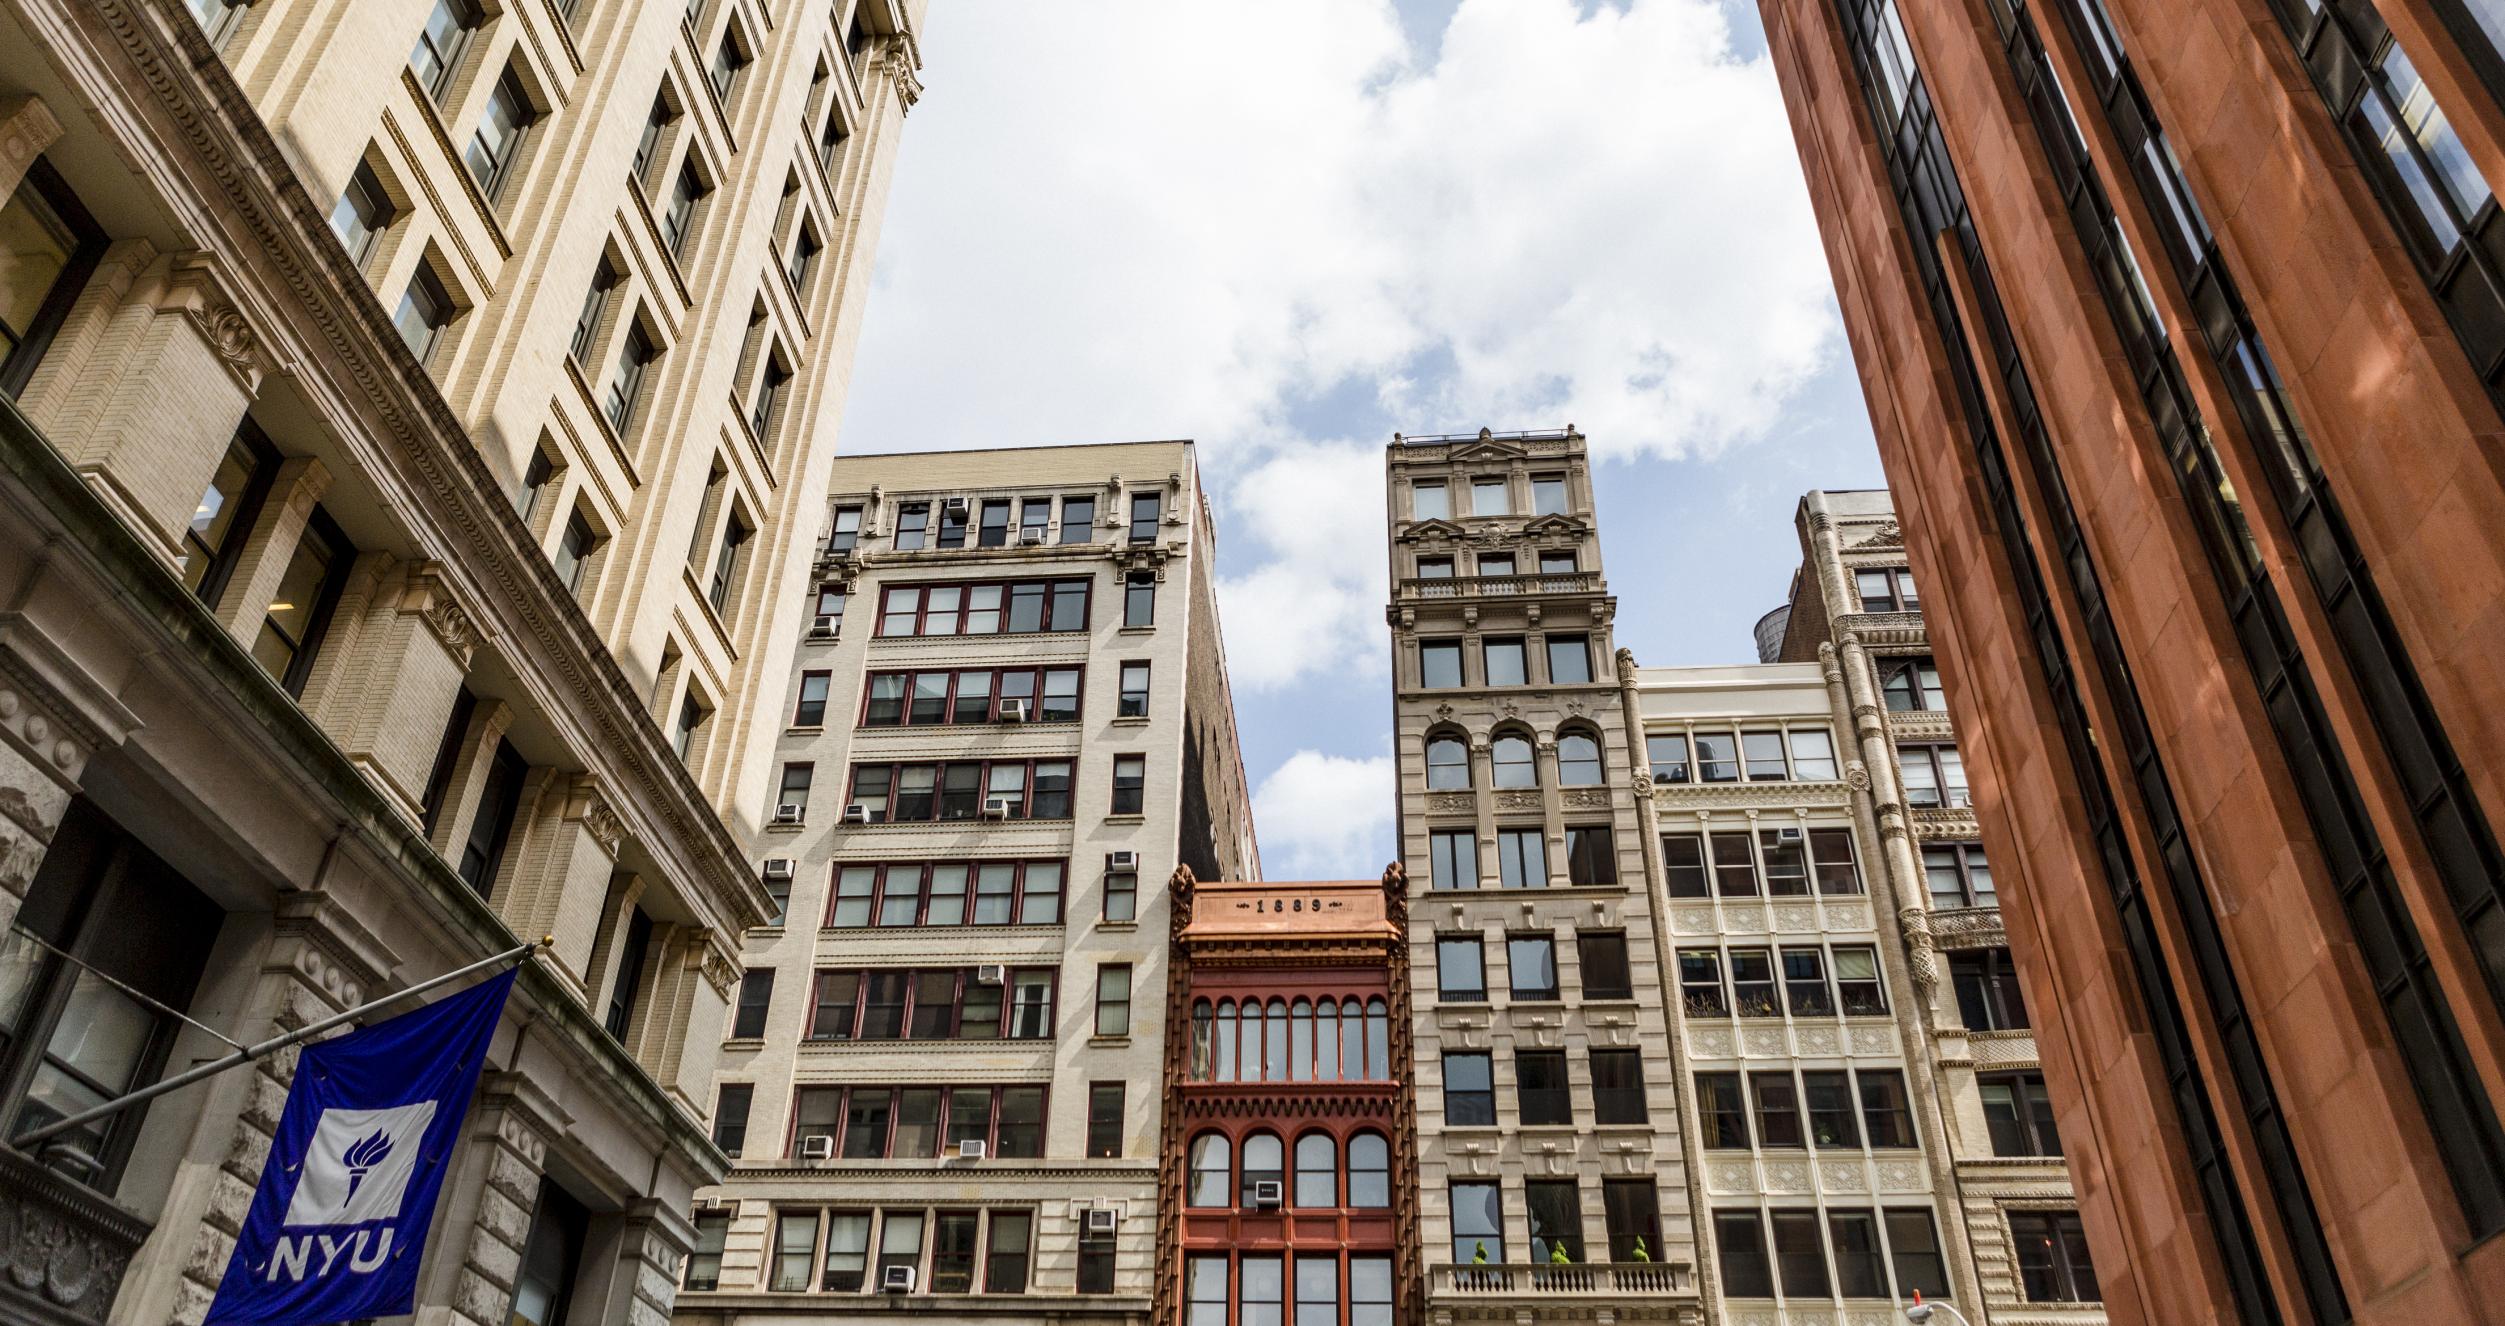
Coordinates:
<point>379,551</point>
<point>1289,1184</point>
<point>1007,724</point>
<point>2177,321</point>
<point>1548,1119</point>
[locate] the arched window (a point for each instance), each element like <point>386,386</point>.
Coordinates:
<point>1378,1041</point>
<point>1447,763</point>
<point>1204,1021</point>
<point>1317,1170</point>
<point>1225,1046</point>
<point>1274,1046</point>
<point>1300,1049</point>
<point>1265,1161</point>
<point>1578,761</point>
<point>1326,1040</point>
<point>1210,1155</point>
<point>1513,762</point>
<point>1369,1171</point>
<point>1352,1038</point>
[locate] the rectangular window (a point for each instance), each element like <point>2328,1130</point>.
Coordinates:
<point>811,711</point>
<point>1122,896</point>
<point>1720,1112</point>
<point>1800,1255</point>
<point>1887,589</point>
<point>1813,754</point>
<point>1096,1263</point>
<point>1618,1087</point>
<point>1631,1209</point>
<point>913,521</point>
<point>730,559</point>
<point>214,539</point>
<point>1478,1210</point>
<point>1548,495</point>
<point>1261,1291</point>
<point>847,1252</point>
<point>1460,969</point>
<point>1504,662</point>
<point>1558,563</point>
<point>793,796</point>
<point>2019,1113</point>
<point>1006,1252</point>
<point>900,1241</point>
<point>1988,996</point>
<point>648,142</point>
<point>1717,757</point>
<point>1317,1290</point>
<point>574,550</point>
<point>1857,982</point>
<point>1439,663</point>
<point>1734,866</point>
<point>953,1236</point>
<point>1787,861</point>
<point>362,213</point>
<point>1700,983</point>
<point>1958,875</point>
<point>1601,957</point>
<point>1130,784</point>
<point>626,381</point>
<point>1683,862</point>
<point>1078,522</point>
<point>917,1123</point>
<point>1521,859</point>
<point>1911,684</point>
<point>1934,776</point>
<point>704,1262</point>
<point>1113,999</point>
<point>730,1117</point>
<point>952,523</point>
<point>1762,755</point>
<point>1805,983</point>
<point>1886,1119</point>
<point>426,308</point>
<point>1429,499</point>
<point>2053,1259</point>
<point>831,602</point>
<point>756,998</point>
<point>1139,597</point>
<point>1860,1271</point>
<point>1134,695</point>
<point>1778,1110</point>
<point>1488,496</point>
<point>1591,855</point>
<point>1569,659</point>
<point>1104,1119</point>
<point>1455,859</point>
<point>1014,607</point>
<point>499,801</point>
<point>729,61</point>
<point>816,1112</point>
<point>1667,754</point>
<point>1435,568</point>
<point>1913,1241</point>
<point>1034,520</point>
<point>440,42</point>
<point>501,129</point>
<point>678,219</point>
<point>1831,861</point>
<point>1833,1120</point>
<point>1555,1208</point>
<point>1541,1093</point>
<point>992,524</point>
<point>1740,1237</point>
<point>1531,963</point>
<point>795,1252</point>
<point>1469,1090</point>
<point>1020,1135</point>
<point>1204,1290</point>
<point>1145,509</point>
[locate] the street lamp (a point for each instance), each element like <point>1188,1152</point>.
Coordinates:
<point>1919,1312</point>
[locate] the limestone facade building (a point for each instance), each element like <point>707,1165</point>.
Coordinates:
<point>1548,1117</point>
<point>414,420</point>
<point>1006,727</point>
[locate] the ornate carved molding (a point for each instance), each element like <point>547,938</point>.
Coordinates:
<point>1918,948</point>
<point>63,1247</point>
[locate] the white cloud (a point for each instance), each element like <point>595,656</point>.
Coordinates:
<point>1192,219</point>
<point>1326,816</point>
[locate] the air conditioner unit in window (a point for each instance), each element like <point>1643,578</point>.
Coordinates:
<point>1959,800</point>
<point>953,504</point>
<point>822,629</point>
<point>778,867</point>
<point>856,813</point>
<point>990,973</point>
<point>1030,538</point>
<point>1103,1220</point>
<point>997,808</point>
<point>1122,860</point>
<point>817,1148</point>
<point>787,814</point>
<point>1268,1193</point>
<point>1013,711</point>
<point>973,1148</point>
<point>1791,835</point>
<point>896,1280</point>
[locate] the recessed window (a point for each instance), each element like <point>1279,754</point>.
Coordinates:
<point>689,726</point>
<point>440,43</point>
<point>1455,859</point>
<point>1122,896</point>
<point>501,129</point>
<point>756,999</point>
<point>1958,875</point>
<point>1460,969</point>
<point>1130,784</point>
<point>1078,525</point>
<point>1717,757</point>
<point>1447,764</point>
<point>730,1117</point>
<point>1813,754</point>
<point>1910,684</point>
<point>2052,1253</point>
<point>425,310</point>
<point>1113,999</point>
<point>52,246</point>
<point>604,282</point>
<point>1478,1211</point>
<point>1857,985</point>
<point>1887,589</point>
<point>1512,762</point>
<point>1145,509</point>
<point>1495,564</point>
<point>1886,1119</point>
<point>679,218</point>
<point>1578,761</point>
<point>1721,1112</point>
<point>2019,1112</point>
<point>1429,500</point>
<point>1988,994</point>
<point>1104,1123</point>
<point>1469,1090</point>
<point>1488,497</point>
<point>1531,965</point>
<point>1569,659</point>
<point>772,379</point>
<point>362,213</point>
<point>730,60</point>
<point>1139,595</point>
<point>1762,753</point>
<point>1618,1087</point>
<point>574,549</point>
<point>1435,568</point>
<point>1601,958</point>
<point>832,136</point>
<point>1133,701</point>
<point>1700,983</point>
<point>1591,855</point>
<point>491,824</point>
<point>1667,754</point>
<point>1439,663</point>
<point>804,255</point>
<point>730,559</point>
<point>1548,494</point>
<point>1521,859</point>
<point>216,17</point>
<point>1740,1238</point>
<point>648,142</point>
<point>1504,659</point>
<point>1558,563</point>
<point>794,794</point>
<point>1933,776</point>
<point>1541,1095</point>
<point>811,711</point>
<point>299,611</point>
<point>626,380</point>
<point>223,517</point>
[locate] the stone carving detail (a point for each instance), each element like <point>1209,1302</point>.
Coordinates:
<point>1448,803</point>
<point>1787,1176</point>
<point>1968,927</point>
<point>1594,797</point>
<point>1918,949</point>
<point>600,820</point>
<point>1745,921</point>
<point>1842,1176</point>
<point>1819,1040</point>
<point>1846,915</point>
<point>719,970</point>
<point>1763,1042</point>
<point>1710,1043</point>
<point>1874,1040</point>
<point>59,1245</point>
<point>1795,917</point>
<point>228,335</point>
<point>1856,775</point>
<point>1517,801</point>
<point>1901,1176</point>
<point>450,625</point>
<point>1693,920</point>
<point>1732,1176</point>
<point>1885,536</point>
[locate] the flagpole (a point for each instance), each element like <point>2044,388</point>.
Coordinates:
<point>249,1053</point>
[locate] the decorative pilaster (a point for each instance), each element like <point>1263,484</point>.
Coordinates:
<point>269,544</point>
<point>488,721</point>
<point>509,1137</point>
<point>53,719</point>
<point>557,874</point>
<point>27,127</point>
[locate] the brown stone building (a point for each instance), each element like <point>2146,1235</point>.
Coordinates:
<point>2180,324</point>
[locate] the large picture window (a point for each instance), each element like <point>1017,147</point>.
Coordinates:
<point>1016,607</point>
<point>970,789</point>
<point>945,893</point>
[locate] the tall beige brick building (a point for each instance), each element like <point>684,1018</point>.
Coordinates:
<point>417,420</point>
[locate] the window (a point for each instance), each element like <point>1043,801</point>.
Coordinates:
<point>1778,1110</point>
<point>1569,659</point>
<point>2019,1113</point>
<point>1488,497</point>
<point>1833,1120</point>
<point>1601,955</point>
<point>1454,859</point>
<point>1513,762</point>
<point>1632,1211</point>
<point>214,539</point>
<point>1988,996</point>
<point>1740,1237</point>
<point>1591,855</point>
<point>1317,1171</point>
<point>1504,662</point>
<point>362,213</point>
<point>1122,896</point>
<point>1555,1207</point>
<point>1752,984</point>
<point>425,310</point>
<point>1857,982</point>
<point>1144,512</point>
<point>1558,563</point>
<point>605,280</point>
<point>1734,865</point>
<point>900,1241</point>
<point>1006,1252</point>
<point>1016,607</point>
<point>626,381</point>
<point>1265,1161</point>
<point>1460,969</point>
<point>1618,1087</point>
<point>1805,983</point>
<point>730,1116</point>
<point>1261,1292</point>
<point>501,128</point>
<point>1478,1210</point>
<point>831,601</point>
<point>831,138</point>
<point>1429,499</point>
<point>627,984</point>
<point>1130,784</point>
<point>1004,893</point>
<point>1887,589</point>
<point>772,378</point>
<point>1113,999</point>
<point>1521,859</point>
<point>1831,861</point>
<point>1447,764</point>
<point>1435,568</point>
<point>1700,983</point>
<point>1683,863</point>
<point>811,711</point>
<point>1096,1263</point>
<point>1078,525</point>
<point>704,1261</point>
<point>2053,1257</point>
<point>690,724</point>
<point>845,535</point>
<point>1134,696</point>
<point>913,521</point>
<point>942,1003</point>
<point>1211,1160</point>
<point>1860,1271</point>
<point>1720,1112</point>
<point>756,998</point>
<point>1469,1090</point>
<point>1104,1105</point>
<point>794,793</point>
<point>1763,754</point>
<point>1369,1172</point>
<point>1548,494</point>
<point>804,255</point>
<point>648,142</point>
<point>847,1251</point>
<point>1914,1245</point>
<point>53,247</point>
<point>1959,875</point>
<point>1439,663</point>
<point>729,61</point>
<point>574,549</point>
<point>440,42</point>
<point>1717,758</point>
<point>678,219</point>
<point>992,529</point>
<point>1139,595</point>
<point>1541,1094</point>
<point>1934,776</point>
<point>1813,754</point>
<point>1204,1289</point>
<point>545,1282</point>
<point>1911,684</point>
<point>1531,961</point>
<point>1786,861</point>
<point>1493,564</point>
<point>1578,761</point>
<point>299,611</point>
<point>977,695</point>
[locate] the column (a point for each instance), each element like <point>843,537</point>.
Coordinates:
<point>53,719</point>
<point>685,993</point>
<point>27,127</point>
<point>390,673</point>
<point>488,721</point>
<point>624,892</point>
<point>294,492</point>
<point>492,1193</point>
<point>557,872</point>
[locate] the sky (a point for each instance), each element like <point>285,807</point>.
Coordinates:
<point>1287,229</point>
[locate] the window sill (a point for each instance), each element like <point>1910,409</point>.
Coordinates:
<point>1126,819</point>
<point>804,730</point>
<point>779,827</point>
<point>1117,927</point>
<point>743,1042</point>
<point>1130,720</point>
<point>1137,630</point>
<point>1108,1042</point>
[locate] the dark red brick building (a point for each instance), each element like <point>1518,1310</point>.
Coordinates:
<point>2182,327</point>
<point>1288,1187</point>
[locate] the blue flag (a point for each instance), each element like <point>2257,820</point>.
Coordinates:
<point>338,1224</point>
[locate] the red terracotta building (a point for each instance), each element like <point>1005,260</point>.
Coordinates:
<point>1288,1185</point>
<point>2182,328</point>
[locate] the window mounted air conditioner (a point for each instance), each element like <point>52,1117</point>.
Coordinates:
<point>856,814</point>
<point>817,1148</point>
<point>778,867</point>
<point>1013,711</point>
<point>991,973</point>
<point>1103,1220</point>
<point>997,808</point>
<point>896,1280</point>
<point>1122,860</point>
<point>1959,800</point>
<point>822,629</point>
<point>1030,537</point>
<point>1268,1193</point>
<point>973,1148</point>
<point>1791,835</point>
<point>953,504</point>
<point>787,814</point>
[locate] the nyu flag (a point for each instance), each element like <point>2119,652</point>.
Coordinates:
<point>338,1225</point>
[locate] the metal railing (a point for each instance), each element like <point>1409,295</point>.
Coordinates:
<point>1485,435</point>
<point>1593,1279</point>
